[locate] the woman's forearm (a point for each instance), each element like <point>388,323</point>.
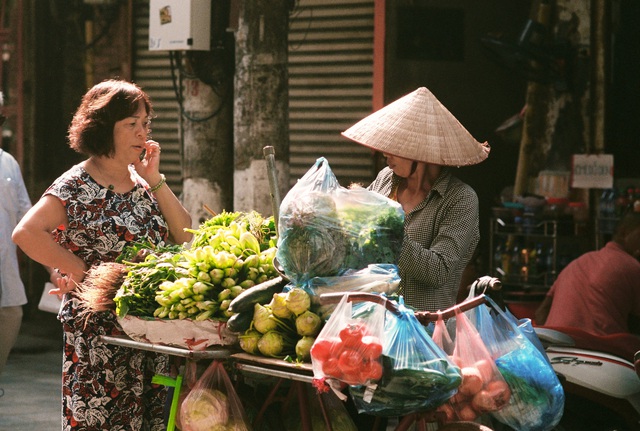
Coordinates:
<point>40,247</point>
<point>176,216</point>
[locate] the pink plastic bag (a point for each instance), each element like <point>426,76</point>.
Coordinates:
<point>441,336</point>
<point>213,403</point>
<point>483,389</point>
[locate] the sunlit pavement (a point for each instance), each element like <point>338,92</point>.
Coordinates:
<point>31,378</point>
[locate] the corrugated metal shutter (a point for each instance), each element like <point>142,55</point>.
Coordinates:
<point>330,85</point>
<point>152,71</point>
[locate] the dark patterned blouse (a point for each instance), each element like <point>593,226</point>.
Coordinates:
<point>106,387</point>
<point>102,222</point>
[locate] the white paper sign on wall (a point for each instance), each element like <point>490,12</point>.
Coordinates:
<point>592,171</point>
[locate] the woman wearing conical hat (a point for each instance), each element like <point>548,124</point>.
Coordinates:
<point>421,140</point>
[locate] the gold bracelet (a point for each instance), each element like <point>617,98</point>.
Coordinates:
<point>155,188</point>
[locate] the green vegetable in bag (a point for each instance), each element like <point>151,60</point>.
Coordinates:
<point>204,410</point>
<point>417,374</point>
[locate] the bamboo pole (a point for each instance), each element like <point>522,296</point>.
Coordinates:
<point>533,118</point>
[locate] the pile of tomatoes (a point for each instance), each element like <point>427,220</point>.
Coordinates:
<point>354,356</point>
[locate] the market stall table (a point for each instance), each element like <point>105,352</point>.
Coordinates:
<point>299,374</point>
<point>221,352</point>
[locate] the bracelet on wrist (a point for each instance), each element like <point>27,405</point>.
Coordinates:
<point>155,188</point>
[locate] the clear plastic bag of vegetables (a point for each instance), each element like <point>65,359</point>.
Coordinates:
<point>349,349</point>
<point>375,278</point>
<point>537,397</point>
<point>417,374</point>
<point>483,389</point>
<point>325,229</point>
<point>189,381</point>
<point>213,404</point>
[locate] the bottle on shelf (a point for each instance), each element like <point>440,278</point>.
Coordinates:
<point>549,263</point>
<point>608,210</point>
<point>506,258</point>
<point>497,258</point>
<point>630,197</point>
<point>524,264</point>
<point>533,263</point>
<point>622,201</point>
<point>541,259</point>
<point>528,221</point>
<point>514,264</point>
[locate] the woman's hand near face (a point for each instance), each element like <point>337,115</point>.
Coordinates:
<point>174,213</point>
<point>149,166</point>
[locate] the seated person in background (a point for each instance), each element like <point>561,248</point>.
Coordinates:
<point>599,292</point>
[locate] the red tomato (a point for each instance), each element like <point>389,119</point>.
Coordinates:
<point>350,361</point>
<point>371,347</point>
<point>330,368</point>
<point>351,335</point>
<point>352,379</point>
<point>324,348</point>
<point>371,370</point>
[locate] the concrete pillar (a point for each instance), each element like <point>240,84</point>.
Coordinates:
<point>207,122</point>
<point>208,151</point>
<point>261,102</point>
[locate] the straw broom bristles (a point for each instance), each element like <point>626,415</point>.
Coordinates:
<point>99,287</point>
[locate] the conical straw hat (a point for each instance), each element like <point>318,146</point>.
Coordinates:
<point>419,127</point>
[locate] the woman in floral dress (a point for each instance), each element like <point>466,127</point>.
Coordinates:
<point>114,198</point>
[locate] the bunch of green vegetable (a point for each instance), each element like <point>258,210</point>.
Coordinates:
<point>376,236</point>
<point>285,327</point>
<point>404,390</point>
<point>231,252</point>
<point>136,295</point>
<point>213,231</point>
<point>213,279</point>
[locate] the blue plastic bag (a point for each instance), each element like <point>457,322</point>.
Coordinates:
<point>537,397</point>
<point>526,327</point>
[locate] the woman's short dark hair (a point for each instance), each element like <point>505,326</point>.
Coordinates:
<point>629,222</point>
<point>112,100</point>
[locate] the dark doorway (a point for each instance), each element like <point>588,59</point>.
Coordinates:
<point>624,96</point>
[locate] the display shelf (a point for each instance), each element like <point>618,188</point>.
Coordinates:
<point>604,228</point>
<point>528,254</point>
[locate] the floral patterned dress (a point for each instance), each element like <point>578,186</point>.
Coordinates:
<point>106,387</point>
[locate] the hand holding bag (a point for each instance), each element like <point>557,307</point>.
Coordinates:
<point>49,303</point>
